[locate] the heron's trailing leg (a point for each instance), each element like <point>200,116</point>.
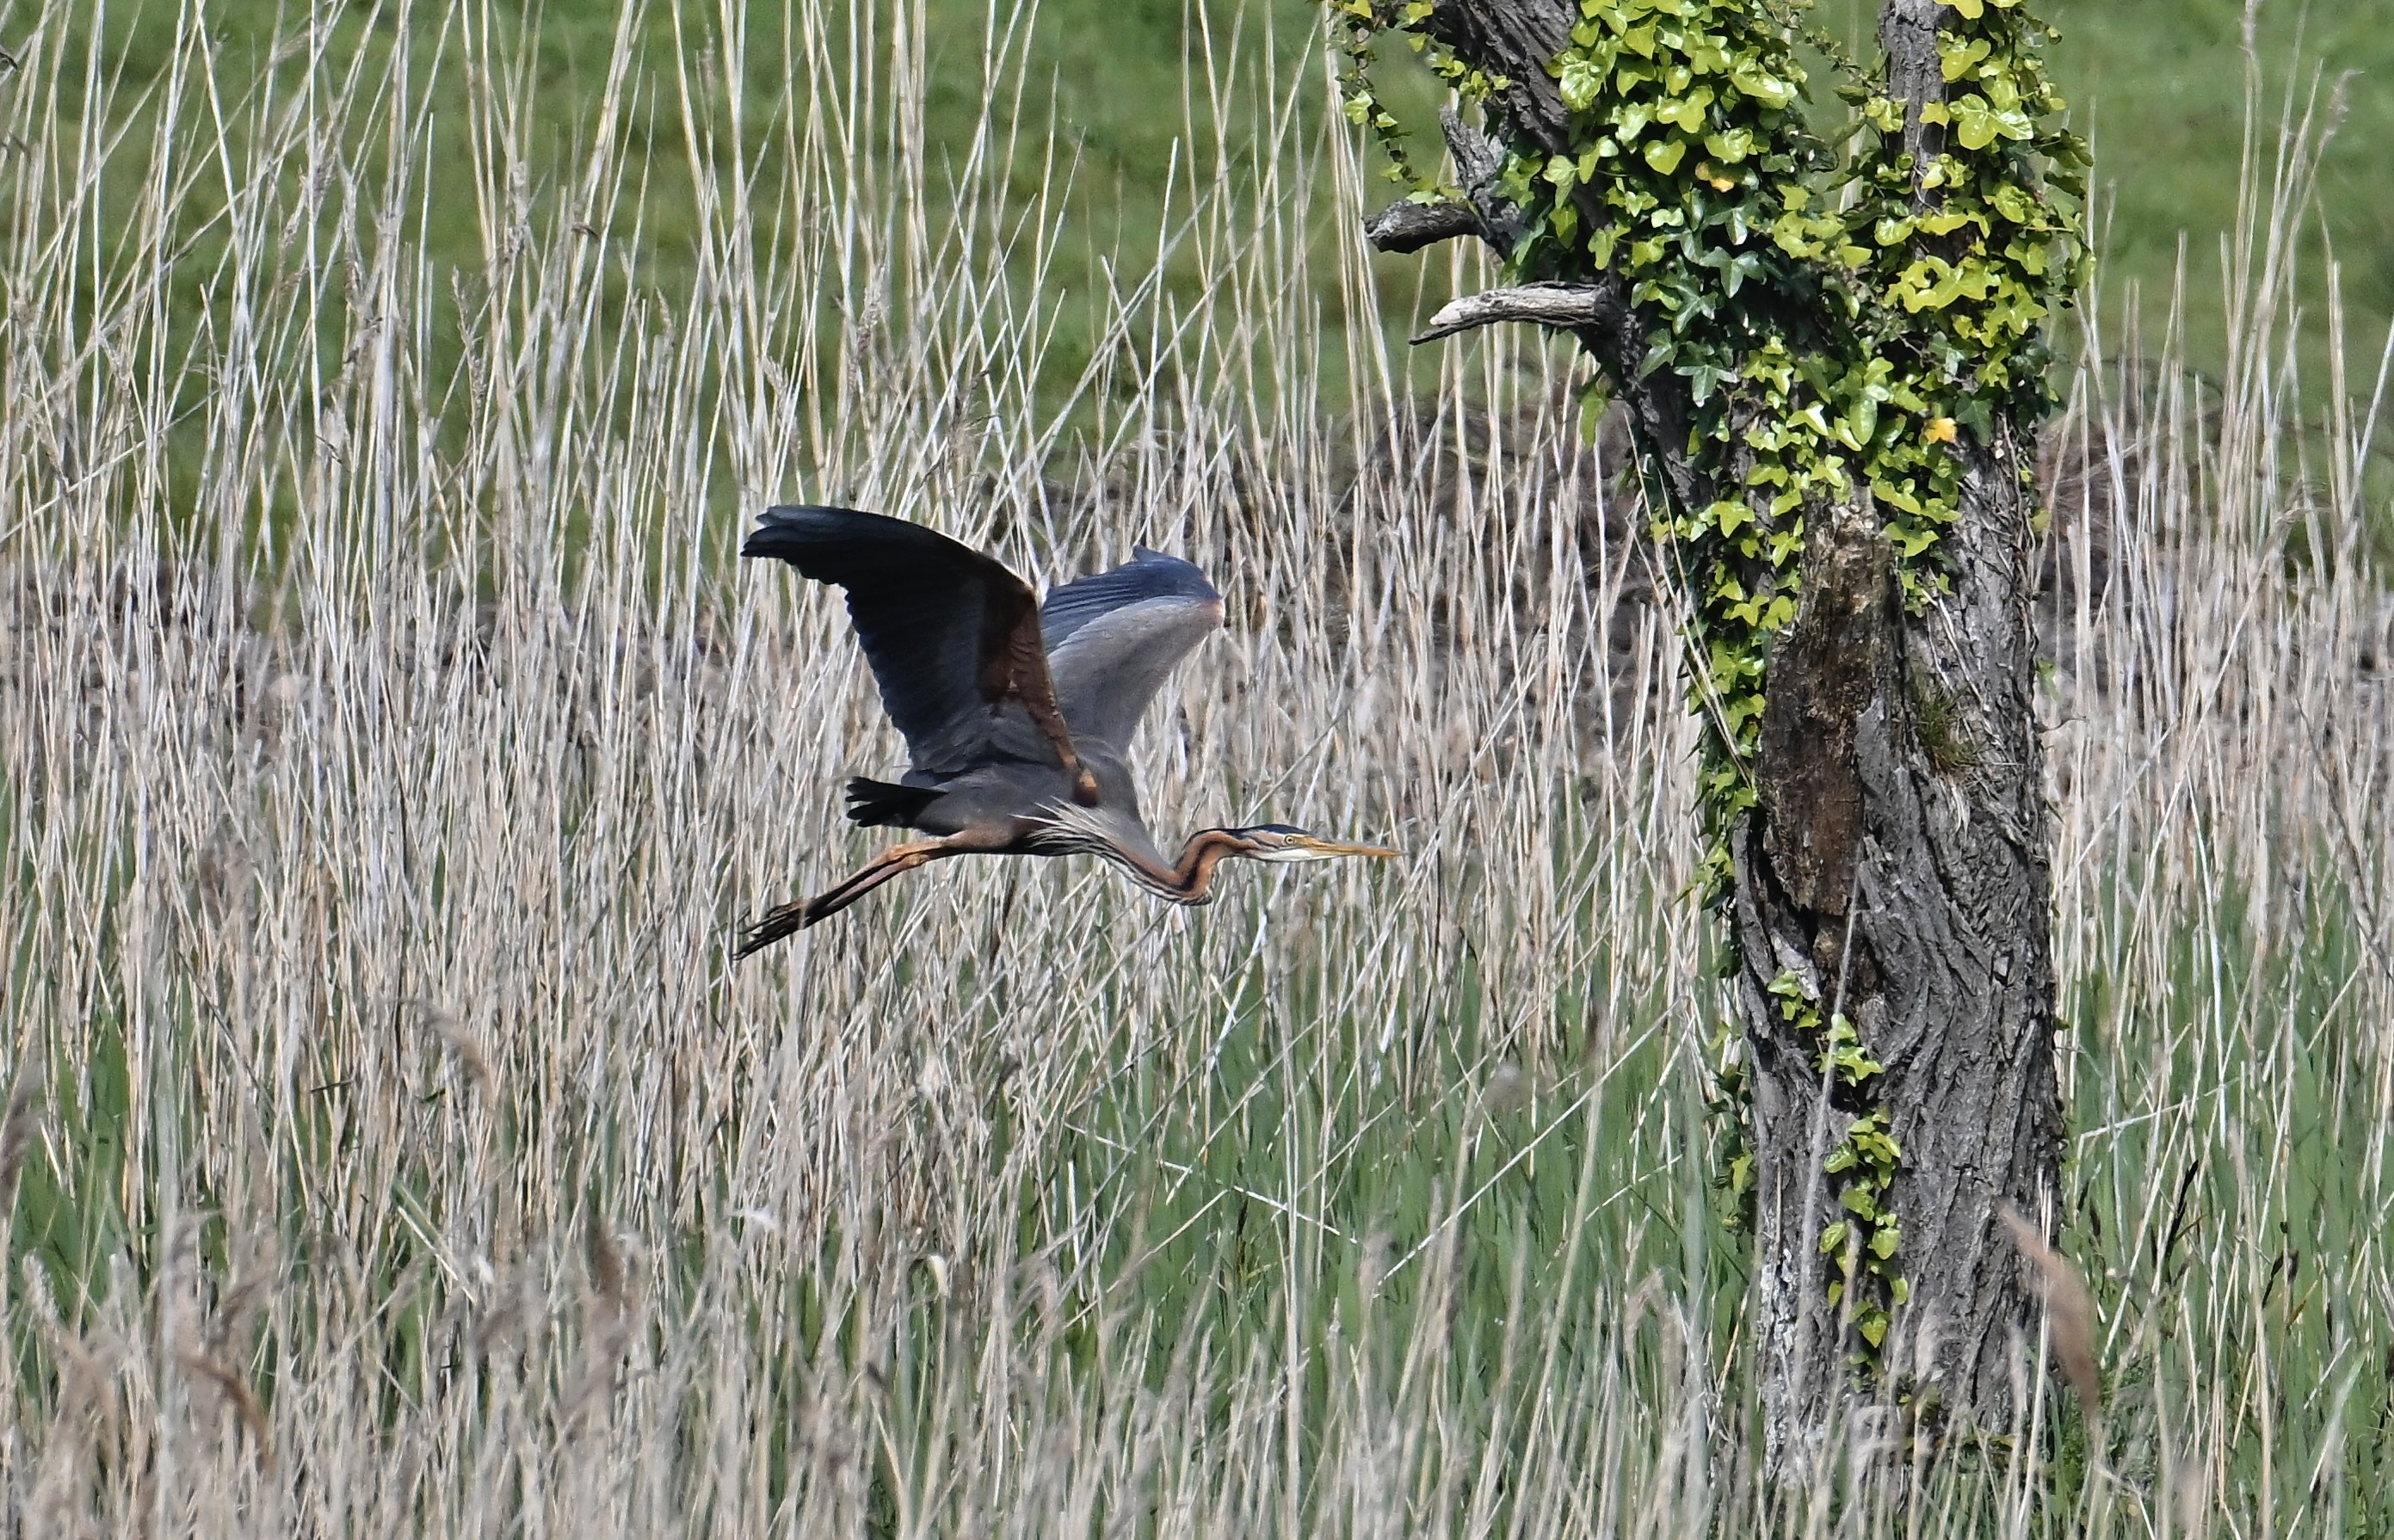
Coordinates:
<point>790,919</point>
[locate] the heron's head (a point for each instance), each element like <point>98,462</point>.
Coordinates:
<point>1281,843</point>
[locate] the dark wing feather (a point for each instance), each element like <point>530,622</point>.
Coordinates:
<point>1114,637</point>
<point>949,632</point>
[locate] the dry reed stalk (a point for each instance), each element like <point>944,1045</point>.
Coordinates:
<point>18,1123</point>
<point>236,1393</point>
<point>605,1324</point>
<point>2068,1311</point>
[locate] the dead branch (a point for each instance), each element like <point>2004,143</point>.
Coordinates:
<point>1569,306</point>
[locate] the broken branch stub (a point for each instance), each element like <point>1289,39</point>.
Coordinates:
<point>1408,227</point>
<point>1567,306</point>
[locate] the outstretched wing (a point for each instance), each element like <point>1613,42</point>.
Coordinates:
<point>950,633</point>
<point>1112,637</point>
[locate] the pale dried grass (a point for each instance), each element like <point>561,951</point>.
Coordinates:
<point>389,747</point>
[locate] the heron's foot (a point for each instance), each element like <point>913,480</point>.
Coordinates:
<point>790,919</point>
<point>785,920</point>
<point>822,906</point>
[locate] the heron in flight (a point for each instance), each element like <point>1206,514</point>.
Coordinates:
<point>1017,716</point>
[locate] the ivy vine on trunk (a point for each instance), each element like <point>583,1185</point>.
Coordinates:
<point>1830,347</point>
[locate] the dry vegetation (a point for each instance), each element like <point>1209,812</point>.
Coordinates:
<point>389,747</point>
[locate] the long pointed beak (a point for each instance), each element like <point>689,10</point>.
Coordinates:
<point>1334,847</point>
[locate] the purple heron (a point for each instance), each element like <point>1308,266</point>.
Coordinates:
<point>1017,716</point>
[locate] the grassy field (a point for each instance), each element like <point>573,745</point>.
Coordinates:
<point>390,749</point>
<point>1103,106</point>
<point>1102,90</point>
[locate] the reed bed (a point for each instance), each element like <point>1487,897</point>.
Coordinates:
<point>391,745</point>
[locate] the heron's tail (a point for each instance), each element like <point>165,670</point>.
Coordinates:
<point>878,803</point>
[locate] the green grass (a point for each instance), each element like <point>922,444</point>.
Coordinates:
<point>2158,87</point>
<point>1114,108</point>
<point>2158,91</point>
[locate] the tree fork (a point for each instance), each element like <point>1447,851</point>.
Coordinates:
<point>1889,889</point>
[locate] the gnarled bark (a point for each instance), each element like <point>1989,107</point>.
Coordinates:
<point>1896,861</point>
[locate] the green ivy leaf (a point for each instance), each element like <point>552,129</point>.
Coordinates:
<point>1730,144</point>
<point>1688,111</point>
<point>1582,80</point>
<point>1959,56</point>
<point>1764,87</point>
<point>1860,422</point>
<point>1975,127</point>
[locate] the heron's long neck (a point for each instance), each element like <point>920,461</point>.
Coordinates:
<point>1191,880</point>
<point>1073,830</point>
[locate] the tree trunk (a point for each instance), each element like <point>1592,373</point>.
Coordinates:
<point>1893,873</point>
<point>1897,864</point>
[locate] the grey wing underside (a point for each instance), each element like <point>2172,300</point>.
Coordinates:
<point>1114,638</point>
